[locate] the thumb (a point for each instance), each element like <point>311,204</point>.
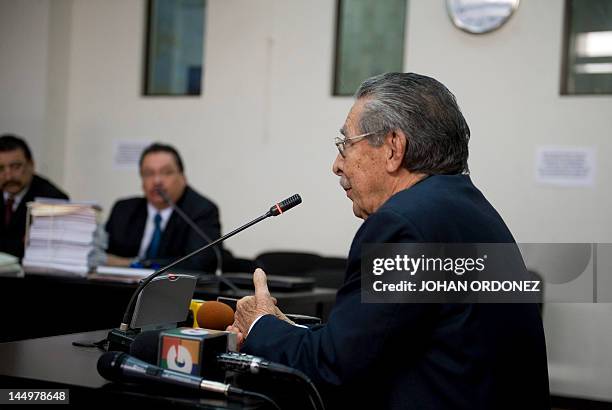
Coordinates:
<point>261,284</point>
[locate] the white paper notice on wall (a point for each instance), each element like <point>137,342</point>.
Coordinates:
<point>126,153</point>
<point>565,166</point>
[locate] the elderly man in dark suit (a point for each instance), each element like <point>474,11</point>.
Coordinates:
<point>402,162</point>
<point>146,229</point>
<point>20,185</point>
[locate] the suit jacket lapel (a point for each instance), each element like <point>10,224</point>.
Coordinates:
<point>18,216</point>
<point>138,224</point>
<point>169,235</point>
<point>174,228</point>
<point>22,208</point>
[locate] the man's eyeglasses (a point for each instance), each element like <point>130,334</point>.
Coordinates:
<point>342,142</point>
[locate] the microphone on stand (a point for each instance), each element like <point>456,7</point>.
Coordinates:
<point>122,337</point>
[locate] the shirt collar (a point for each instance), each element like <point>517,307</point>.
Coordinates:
<point>165,214</point>
<point>17,197</point>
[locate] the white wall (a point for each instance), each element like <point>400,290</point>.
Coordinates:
<point>507,83</point>
<point>23,71</point>
<point>263,128</point>
<point>58,84</point>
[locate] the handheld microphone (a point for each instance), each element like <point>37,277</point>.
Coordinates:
<point>245,363</point>
<point>193,226</point>
<point>214,315</point>
<point>146,347</point>
<point>118,366</point>
<point>210,315</point>
<point>120,338</point>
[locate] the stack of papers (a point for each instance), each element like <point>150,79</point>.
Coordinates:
<point>63,237</point>
<point>120,274</point>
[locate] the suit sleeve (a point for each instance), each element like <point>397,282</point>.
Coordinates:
<point>111,230</point>
<point>357,335</point>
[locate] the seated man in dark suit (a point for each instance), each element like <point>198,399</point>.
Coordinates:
<point>403,162</point>
<point>148,230</point>
<point>20,185</point>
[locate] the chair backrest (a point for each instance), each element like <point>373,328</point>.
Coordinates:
<point>287,263</point>
<point>327,271</point>
<point>236,264</point>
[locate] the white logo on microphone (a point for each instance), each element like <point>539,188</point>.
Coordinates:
<point>179,359</point>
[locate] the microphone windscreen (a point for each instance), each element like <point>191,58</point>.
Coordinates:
<point>146,346</point>
<point>109,365</point>
<point>215,315</point>
<point>286,205</point>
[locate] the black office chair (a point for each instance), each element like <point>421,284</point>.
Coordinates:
<point>327,271</point>
<point>235,264</point>
<point>330,272</point>
<point>287,263</point>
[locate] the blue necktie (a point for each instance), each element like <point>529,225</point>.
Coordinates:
<point>153,248</point>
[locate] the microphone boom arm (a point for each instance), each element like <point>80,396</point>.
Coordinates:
<point>275,210</point>
<point>128,313</point>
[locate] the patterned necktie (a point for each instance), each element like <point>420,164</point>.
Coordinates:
<point>8,210</point>
<point>153,248</point>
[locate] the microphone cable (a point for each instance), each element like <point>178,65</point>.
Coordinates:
<point>244,363</point>
<point>260,396</point>
<point>311,390</point>
<point>192,225</point>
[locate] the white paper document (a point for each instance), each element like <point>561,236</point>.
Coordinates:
<point>565,166</point>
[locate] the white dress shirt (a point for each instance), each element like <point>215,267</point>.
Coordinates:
<point>150,227</point>
<point>260,316</point>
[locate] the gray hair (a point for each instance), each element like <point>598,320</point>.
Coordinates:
<point>426,112</point>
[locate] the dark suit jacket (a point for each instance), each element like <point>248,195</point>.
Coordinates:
<point>12,236</point>
<point>419,356</point>
<point>128,219</point>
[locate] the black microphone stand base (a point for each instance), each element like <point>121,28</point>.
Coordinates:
<point>120,340</point>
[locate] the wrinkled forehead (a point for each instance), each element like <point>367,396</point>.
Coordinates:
<point>352,124</point>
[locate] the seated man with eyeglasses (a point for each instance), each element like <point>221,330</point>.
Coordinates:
<point>20,185</point>
<point>145,231</point>
<point>402,161</point>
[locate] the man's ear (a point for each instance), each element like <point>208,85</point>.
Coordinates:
<point>396,149</point>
